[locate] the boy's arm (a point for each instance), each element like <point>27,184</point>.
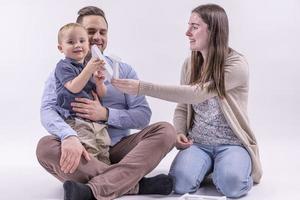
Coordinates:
<point>77,84</point>
<point>99,78</point>
<point>101,89</point>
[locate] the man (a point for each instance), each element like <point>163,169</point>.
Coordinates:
<point>132,156</point>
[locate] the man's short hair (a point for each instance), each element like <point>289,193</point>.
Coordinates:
<point>90,10</point>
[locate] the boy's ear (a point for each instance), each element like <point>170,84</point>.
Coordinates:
<point>59,48</point>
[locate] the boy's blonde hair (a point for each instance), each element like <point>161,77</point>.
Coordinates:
<point>67,27</point>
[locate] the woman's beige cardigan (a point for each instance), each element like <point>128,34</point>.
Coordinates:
<point>234,106</point>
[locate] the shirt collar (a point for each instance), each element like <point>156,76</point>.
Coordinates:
<point>74,62</point>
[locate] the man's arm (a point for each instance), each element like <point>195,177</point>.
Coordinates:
<point>137,113</point>
<point>136,116</point>
<point>50,119</point>
<point>71,148</point>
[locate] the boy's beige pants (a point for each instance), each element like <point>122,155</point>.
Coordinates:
<point>93,136</point>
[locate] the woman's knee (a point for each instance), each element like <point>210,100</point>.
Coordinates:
<point>184,185</point>
<point>184,182</point>
<point>232,185</point>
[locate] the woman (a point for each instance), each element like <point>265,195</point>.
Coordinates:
<point>211,116</point>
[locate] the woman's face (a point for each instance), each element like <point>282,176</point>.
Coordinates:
<point>197,33</point>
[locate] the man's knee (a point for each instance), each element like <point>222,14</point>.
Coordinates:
<point>48,148</point>
<point>168,134</point>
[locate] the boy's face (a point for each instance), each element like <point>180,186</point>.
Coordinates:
<point>74,43</point>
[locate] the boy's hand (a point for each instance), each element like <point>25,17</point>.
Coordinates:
<point>95,65</point>
<point>99,76</point>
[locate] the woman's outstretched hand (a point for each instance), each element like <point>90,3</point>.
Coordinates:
<point>129,86</point>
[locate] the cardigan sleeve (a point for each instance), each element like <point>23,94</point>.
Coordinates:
<point>185,94</point>
<point>180,113</point>
<point>236,74</point>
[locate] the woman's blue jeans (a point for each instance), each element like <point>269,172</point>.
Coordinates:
<point>230,166</point>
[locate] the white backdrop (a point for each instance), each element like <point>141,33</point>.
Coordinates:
<point>149,35</point>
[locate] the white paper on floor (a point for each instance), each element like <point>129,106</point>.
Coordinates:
<point>201,197</point>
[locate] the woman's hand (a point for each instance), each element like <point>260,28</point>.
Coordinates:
<point>182,142</point>
<point>129,86</point>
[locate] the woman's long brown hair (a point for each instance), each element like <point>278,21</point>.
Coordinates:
<point>217,22</point>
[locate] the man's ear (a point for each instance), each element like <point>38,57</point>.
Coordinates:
<point>59,48</point>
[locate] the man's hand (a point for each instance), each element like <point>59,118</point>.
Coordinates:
<point>183,142</point>
<point>71,151</point>
<point>90,109</point>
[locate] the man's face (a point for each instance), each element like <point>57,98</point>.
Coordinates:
<point>97,30</point>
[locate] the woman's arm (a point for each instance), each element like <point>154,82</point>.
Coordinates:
<point>181,111</point>
<point>236,74</point>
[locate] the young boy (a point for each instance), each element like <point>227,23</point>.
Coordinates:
<point>74,79</point>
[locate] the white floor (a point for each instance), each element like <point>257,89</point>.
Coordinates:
<point>23,178</point>
<point>277,131</point>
